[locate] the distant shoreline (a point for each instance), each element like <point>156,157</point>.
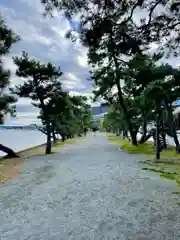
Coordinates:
<point>28,127</point>
<point>28,149</point>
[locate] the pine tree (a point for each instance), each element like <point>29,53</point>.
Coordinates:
<point>42,84</point>
<point>7,39</point>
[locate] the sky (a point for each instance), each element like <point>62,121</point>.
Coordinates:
<point>44,39</point>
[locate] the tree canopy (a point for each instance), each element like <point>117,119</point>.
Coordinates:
<point>119,36</point>
<point>60,113</point>
<point>138,86</point>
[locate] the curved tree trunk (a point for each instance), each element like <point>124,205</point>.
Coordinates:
<point>63,137</point>
<point>148,136</point>
<point>176,141</point>
<point>172,126</point>
<point>143,137</point>
<point>9,151</point>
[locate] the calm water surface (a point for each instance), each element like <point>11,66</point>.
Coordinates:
<point>21,139</point>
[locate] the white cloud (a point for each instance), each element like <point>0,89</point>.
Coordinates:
<point>82,58</point>
<point>24,101</point>
<point>44,39</point>
<point>73,77</point>
<point>70,85</point>
<point>9,64</point>
<point>87,94</point>
<point>60,31</point>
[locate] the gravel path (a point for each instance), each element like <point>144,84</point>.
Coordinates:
<point>90,190</point>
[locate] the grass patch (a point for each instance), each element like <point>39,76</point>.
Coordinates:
<point>169,175</point>
<point>176,192</point>
<point>146,148</point>
<point>125,144</point>
<point>153,170</point>
<point>10,168</point>
<point>167,167</point>
<point>165,171</point>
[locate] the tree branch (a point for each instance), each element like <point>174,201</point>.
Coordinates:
<point>122,61</point>
<point>174,25</point>
<point>132,12</point>
<point>152,10</point>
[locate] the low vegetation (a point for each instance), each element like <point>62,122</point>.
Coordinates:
<point>146,148</point>
<point>168,167</point>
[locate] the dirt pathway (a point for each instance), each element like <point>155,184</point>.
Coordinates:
<point>90,190</point>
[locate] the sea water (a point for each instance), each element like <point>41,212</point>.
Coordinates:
<point>21,139</point>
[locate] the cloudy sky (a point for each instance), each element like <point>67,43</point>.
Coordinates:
<point>44,39</point>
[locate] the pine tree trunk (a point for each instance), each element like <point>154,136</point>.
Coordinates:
<point>157,137</point>
<point>133,133</point>
<point>164,141</point>
<point>146,138</point>
<point>117,132</point>
<point>10,153</point>
<point>48,143</point>
<point>47,122</point>
<point>163,134</point>
<point>176,141</point>
<point>144,133</point>
<point>54,136</point>
<point>124,134</point>
<point>172,126</point>
<point>63,137</point>
<point>133,138</point>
